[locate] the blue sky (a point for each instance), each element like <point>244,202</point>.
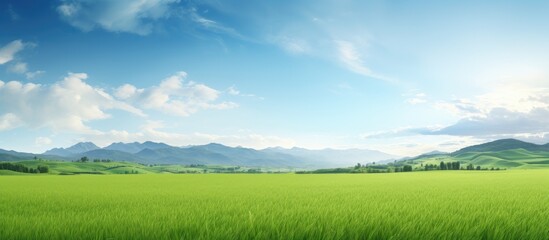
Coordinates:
<point>400,77</point>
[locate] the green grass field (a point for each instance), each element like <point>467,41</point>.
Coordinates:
<point>418,205</point>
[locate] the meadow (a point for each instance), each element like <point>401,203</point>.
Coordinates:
<point>415,205</point>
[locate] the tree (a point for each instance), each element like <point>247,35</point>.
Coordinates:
<point>43,169</point>
<point>357,166</point>
<point>478,167</point>
<point>84,159</point>
<point>470,167</point>
<point>407,168</point>
<point>443,166</point>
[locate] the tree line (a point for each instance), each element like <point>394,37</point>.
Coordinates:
<point>86,159</point>
<point>454,166</point>
<point>442,166</point>
<point>22,168</point>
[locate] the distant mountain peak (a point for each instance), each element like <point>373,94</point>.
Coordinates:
<point>215,144</point>
<point>136,147</point>
<point>78,148</point>
<point>84,145</point>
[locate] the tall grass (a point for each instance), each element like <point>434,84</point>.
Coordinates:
<point>418,205</point>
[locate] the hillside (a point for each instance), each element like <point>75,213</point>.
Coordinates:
<point>502,145</point>
<point>504,153</point>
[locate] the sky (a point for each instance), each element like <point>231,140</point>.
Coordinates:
<point>402,77</point>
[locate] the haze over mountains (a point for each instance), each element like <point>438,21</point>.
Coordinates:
<point>213,153</point>
<point>502,153</point>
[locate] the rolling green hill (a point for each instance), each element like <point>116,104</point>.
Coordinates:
<point>505,153</point>
<point>502,145</point>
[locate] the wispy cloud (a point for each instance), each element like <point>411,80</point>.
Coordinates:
<point>7,52</point>
<point>211,25</point>
<point>115,16</point>
<point>353,60</point>
<point>22,68</point>
<point>233,91</point>
<point>13,15</point>
<point>415,97</point>
<point>19,67</point>
<point>402,132</point>
<point>32,75</point>
<point>292,45</point>
<point>7,55</point>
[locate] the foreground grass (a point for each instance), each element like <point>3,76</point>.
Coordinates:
<point>417,205</point>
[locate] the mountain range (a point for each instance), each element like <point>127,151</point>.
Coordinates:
<point>218,154</point>
<point>502,153</point>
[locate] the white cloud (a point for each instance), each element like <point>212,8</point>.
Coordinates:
<point>33,75</point>
<point>8,121</point>
<point>413,97</point>
<point>153,131</point>
<point>68,104</point>
<point>7,53</point>
<point>415,101</point>
<point>211,25</point>
<point>500,121</point>
<point>65,105</point>
<point>42,141</point>
<point>515,98</point>
<point>116,16</point>
<point>174,96</point>
<point>125,91</point>
<point>292,45</point>
<point>19,67</point>
<point>351,57</point>
<point>401,132</point>
<point>233,91</point>
<point>420,144</point>
<point>13,15</point>
<point>22,68</point>
<point>509,111</point>
<point>506,111</point>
